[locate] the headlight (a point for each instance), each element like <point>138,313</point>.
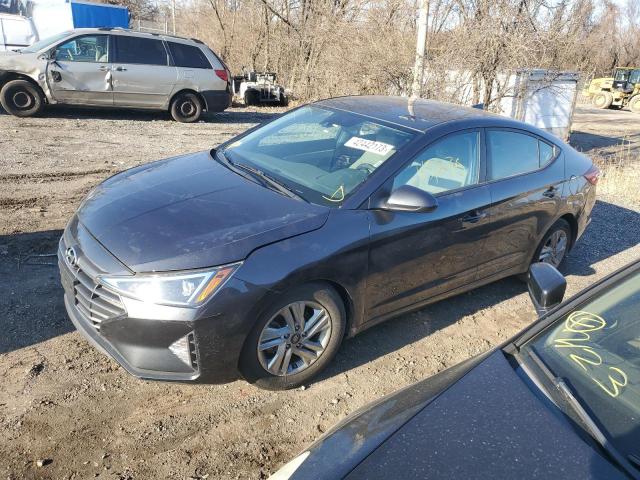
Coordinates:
<point>185,289</point>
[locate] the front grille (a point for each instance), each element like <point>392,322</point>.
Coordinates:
<point>91,299</point>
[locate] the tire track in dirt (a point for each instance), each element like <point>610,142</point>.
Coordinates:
<point>52,176</point>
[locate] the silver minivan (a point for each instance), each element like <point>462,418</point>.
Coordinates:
<point>115,68</point>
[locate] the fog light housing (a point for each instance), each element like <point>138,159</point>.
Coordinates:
<point>185,349</point>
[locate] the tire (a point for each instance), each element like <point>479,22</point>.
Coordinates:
<point>602,100</point>
<point>186,108</point>
<point>251,98</point>
<point>562,229</point>
<point>319,301</point>
<point>634,104</point>
<point>283,100</point>
<point>21,98</point>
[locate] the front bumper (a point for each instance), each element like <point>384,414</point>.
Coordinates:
<point>139,335</point>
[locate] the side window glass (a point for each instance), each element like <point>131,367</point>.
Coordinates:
<point>141,51</point>
<point>510,153</point>
<point>89,48</point>
<point>450,163</point>
<point>546,151</point>
<point>188,56</point>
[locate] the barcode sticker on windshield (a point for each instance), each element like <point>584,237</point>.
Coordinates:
<point>369,145</point>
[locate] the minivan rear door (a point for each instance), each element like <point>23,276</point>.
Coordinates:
<point>142,74</point>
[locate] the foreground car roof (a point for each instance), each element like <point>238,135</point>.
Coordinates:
<point>417,114</point>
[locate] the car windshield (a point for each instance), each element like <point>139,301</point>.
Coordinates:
<point>42,44</point>
<point>596,350</point>
<point>322,155</point>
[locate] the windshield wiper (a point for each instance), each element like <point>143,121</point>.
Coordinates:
<point>266,179</point>
<point>592,428</point>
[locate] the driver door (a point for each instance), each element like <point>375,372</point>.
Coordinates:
<point>80,71</point>
<point>417,256</point>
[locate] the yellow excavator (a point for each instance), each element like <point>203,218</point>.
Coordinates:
<point>621,90</point>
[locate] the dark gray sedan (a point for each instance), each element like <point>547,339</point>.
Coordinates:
<point>257,258</point>
<point>560,400</point>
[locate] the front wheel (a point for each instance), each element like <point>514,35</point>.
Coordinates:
<point>295,339</point>
<point>186,108</point>
<point>21,98</point>
<point>634,104</point>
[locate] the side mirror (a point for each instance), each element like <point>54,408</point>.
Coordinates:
<point>410,199</point>
<point>546,287</point>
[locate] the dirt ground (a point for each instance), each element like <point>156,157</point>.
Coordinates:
<point>63,402</point>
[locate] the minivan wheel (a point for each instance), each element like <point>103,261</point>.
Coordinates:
<point>21,98</point>
<point>186,108</point>
<point>295,339</point>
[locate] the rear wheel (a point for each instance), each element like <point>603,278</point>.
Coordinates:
<point>295,339</point>
<point>602,100</point>
<point>251,97</point>
<point>634,104</point>
<point>21,98</point>
<point>554,246</point>
<point>186,108</point>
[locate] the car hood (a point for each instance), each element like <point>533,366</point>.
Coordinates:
<point>478,419</point>
<point>490,424</point>
<point>190,212</point>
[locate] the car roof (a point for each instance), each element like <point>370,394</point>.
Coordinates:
<point>133,33</point>
<point>416,114</point>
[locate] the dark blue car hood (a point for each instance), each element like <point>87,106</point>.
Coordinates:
<point>190,212</point>
<point>489,424</point>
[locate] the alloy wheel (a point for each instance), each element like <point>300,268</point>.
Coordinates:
<point>294,338</point>
<point>555,248</point>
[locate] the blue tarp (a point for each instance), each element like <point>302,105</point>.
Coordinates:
<point>94,15</point>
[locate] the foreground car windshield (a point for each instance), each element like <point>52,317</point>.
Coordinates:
<point>44,43</point>
<point>596,350</point>
<point>320,154</point>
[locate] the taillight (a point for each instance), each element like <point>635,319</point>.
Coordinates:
<point>592,175</point>
<point>222,75</point>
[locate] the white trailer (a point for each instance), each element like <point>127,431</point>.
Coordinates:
<point>542,98</point>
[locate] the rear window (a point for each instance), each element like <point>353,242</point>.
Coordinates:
<point>143,51</point>
<point>511,153</point>
<point>188,56</point>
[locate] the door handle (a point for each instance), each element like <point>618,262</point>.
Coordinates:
<point>103,68</point>
<point>474,216</point>
<point>121,69</point>
<point>550,192</point>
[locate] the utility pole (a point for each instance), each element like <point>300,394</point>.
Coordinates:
<point>421,47</point>
<point>173,15</point>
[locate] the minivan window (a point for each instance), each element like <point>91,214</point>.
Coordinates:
<point>88,48</point>
<point>448,164</point>
<point>188,56</point>
<point>142,51</point>
<point>511,153</point>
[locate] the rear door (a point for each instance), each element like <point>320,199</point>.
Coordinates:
<point>142,74</point>
<point>417,256</point>
<point>81,71</point>
<point>526,176</point>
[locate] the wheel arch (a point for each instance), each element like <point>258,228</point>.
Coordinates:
<point>8,76</point>
<point>188,90</point>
